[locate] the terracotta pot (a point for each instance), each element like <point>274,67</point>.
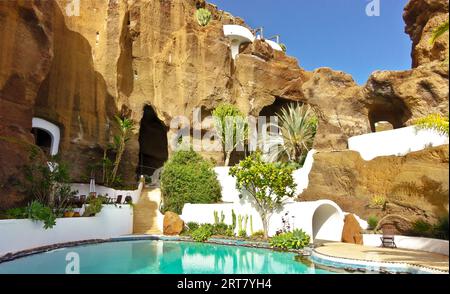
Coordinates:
<point>69,214</point>
<point>76,214</point>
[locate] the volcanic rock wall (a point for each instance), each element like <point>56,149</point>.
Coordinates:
<point>117,57</point>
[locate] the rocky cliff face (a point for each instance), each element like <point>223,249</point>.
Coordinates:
<point>415,185</point>
<point>149,59</point>
<point>26,34</point>
<point>421,18</point>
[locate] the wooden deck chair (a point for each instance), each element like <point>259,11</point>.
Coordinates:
<point>387,240</point>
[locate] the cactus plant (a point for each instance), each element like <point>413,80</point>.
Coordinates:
<point>203,16</point>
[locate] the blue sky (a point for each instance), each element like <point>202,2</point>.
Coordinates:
<point>332,33</point>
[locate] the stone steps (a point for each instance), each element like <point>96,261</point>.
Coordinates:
<point>145,219</point>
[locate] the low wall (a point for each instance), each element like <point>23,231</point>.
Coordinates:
<point>22,234</point>
<point>413,243</point>
<point>321,219</point>
<point>83,189</point>
<point>395,142</point>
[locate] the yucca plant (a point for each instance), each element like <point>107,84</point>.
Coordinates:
<point>125,126</point>
<point>203,16</point>
<point>297,128</point>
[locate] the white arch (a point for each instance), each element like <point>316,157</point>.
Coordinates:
<point>51,129</point>
<point>327,222</point>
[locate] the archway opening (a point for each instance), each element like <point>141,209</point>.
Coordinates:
<point>388,116</point>
<point>382,126</point>
<point>153,150</point>
<point>43,139</point>
<point>326,223</point>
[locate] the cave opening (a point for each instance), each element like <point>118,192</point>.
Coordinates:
<point>153,146</point>
<point>43,139</point>
<point>275,108</point>
<point>388,117</point>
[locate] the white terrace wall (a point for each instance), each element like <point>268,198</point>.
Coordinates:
<point>228,183</point>
<point>413,243</point>
<point>83,189</point>
<point>321,219</point>
<point>395,142</point>
<point>22,234</point>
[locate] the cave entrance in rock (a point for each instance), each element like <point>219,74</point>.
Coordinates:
<point>46,135</point>
<point>153,147</point>
<point>388,117</point>
<point>327,223</point>
<point>43,139</point>
<point>275,108</point>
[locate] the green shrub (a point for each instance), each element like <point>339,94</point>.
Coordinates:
<point>38,212</point>
<point>202,233</point>
<point>258,235</point>
<point>220,229</point>
<point>440,230</point>
<point>283,47</point>
<point>421,228</point>
<point>188,178</point>
<point>242,233</point>
<point>16,213</point>
<point>290,240</point>
<point>373,222</point>
<point>94,206</point>
<point>203,16</point>
<point>192,226</point>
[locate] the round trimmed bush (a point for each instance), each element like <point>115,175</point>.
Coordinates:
<point>188,178</point>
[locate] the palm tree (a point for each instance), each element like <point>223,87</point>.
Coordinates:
<point>439,31</point>
<point>126,126</point>
<point>297,129</point>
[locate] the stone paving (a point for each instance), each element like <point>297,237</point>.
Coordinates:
<point>378,254</point>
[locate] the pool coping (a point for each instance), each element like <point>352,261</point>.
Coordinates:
<point>348,264</point>
<point>373,266</point>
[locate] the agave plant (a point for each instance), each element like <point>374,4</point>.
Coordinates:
<point>296,131</point>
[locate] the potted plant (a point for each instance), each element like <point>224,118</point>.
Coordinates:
<point>69,212</point>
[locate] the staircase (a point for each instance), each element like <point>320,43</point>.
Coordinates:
<point>145,219</point>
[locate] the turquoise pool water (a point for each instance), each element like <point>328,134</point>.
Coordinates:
<point>160,257</point>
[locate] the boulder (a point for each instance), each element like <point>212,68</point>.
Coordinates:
<point>351,232</point>
<point>415,185</point>
<point>173,224</point>
<point>421,18</point>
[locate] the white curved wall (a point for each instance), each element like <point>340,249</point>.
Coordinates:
<point>413,243</point>
<point>22,234</point>
<point>395,142</point>
<point>50,128</point>
<point>238,35</point>
<point>274,45</point>
<point>301,176</point>
<point>300,216</point>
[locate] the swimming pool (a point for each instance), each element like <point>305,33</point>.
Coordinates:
<point>160,257</point>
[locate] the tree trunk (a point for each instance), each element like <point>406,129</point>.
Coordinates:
<point>118,159</point>
<point>227,158</point>
<point>265,222</point>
